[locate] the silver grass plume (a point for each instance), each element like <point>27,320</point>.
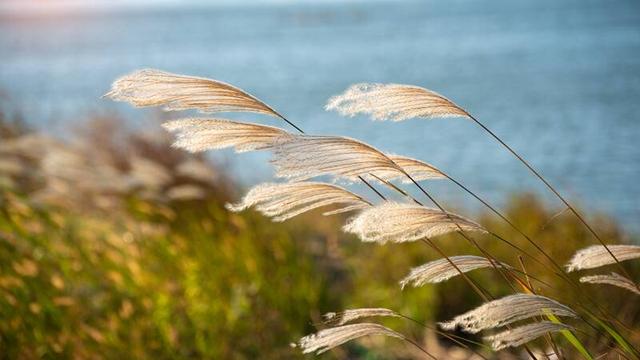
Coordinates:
<point>286,200</point>
<point>523,334</point>
<point>597,255</point>
<point>197,135</point>
<point>505,311</point>
<point>397,222</point>
<point>394,102</point>
<point>441,270</point>
<point>197,170</point>
<point>612,279</point>
<point>347,316</point>
<point>146,173</point>
<point>328,339</point>
<point>175,92</point>
<point>301,157</point>
<point>186,192</point>
<point>419,170</point>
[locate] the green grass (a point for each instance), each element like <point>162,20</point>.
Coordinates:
<point>202,283</point>
<point>189,279</point>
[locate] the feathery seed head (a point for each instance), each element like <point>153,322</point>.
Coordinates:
<point>348,316</point>
<point>393,102</point>
<point>597,255</point>
<point>197,135</point>
<point>328,339</point>
<point>441,270</point>
<point>612,279</point>
<point>418,170</point>
<point>175,92</point>
<point>301,157</point>
<point>523,334</point>
<point>398,222</point>
<point>505,311</point>
<point>286,200</point>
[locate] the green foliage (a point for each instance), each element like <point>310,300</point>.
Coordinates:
<point>189,279</point>
<point>202,283</point>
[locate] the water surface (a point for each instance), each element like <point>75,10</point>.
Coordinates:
<point>559,81</point>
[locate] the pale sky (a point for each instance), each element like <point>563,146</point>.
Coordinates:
<point>71,5</point>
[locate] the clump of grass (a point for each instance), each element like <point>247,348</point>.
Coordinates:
<point>145,274</point>
<point>303,157</point>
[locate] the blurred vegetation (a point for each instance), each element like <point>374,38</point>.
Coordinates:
<point>117,246</point>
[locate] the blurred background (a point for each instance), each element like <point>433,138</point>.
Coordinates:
<point>170,273</point>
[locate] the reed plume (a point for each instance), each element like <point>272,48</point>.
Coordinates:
<point>505,311</point>
<point>597,255</point>
<point>196,135</point>
<point>612,279</point>
<point>147,173</point>
<point>395,102</point>
<point>286,200</point>
<point>441,270</point>
<point>302,157</point>
<point>347,316</point>
<point>523,334</point>
<point>398,222</point>
<point>197,170</point>
<point>175,92</point>
<point>328,339</point>
<point>186,192</point>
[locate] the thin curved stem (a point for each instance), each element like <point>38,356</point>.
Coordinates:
<point>556,193</point>
<point>460,230</point>
<point>562,273</point>
<point>509,222</point>
<point>456,339</point>
<point>412,342</point>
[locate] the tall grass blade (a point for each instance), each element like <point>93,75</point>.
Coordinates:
<point>624,344</point>
<point>571,338</point>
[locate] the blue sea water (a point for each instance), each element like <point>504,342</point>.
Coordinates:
<point>559,81</point>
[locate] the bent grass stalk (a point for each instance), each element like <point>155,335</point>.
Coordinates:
<point>556,193</point>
